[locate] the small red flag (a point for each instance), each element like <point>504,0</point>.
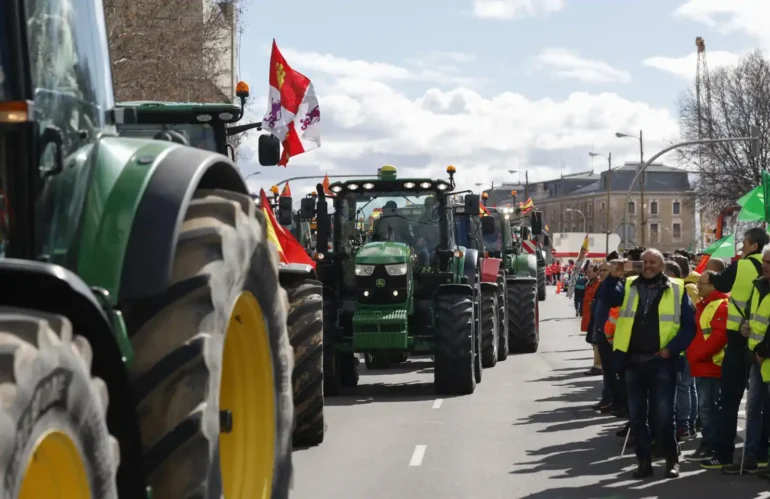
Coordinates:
<point>286,190</point>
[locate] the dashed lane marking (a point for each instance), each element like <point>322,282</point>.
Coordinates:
<point>418,455</point>
<point>437,403</point>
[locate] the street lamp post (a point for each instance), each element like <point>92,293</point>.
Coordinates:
<point>251,175</point>
<point>607,209</point>
<point>754,140</point>
<point>640,138</point>
<point>581,214</point>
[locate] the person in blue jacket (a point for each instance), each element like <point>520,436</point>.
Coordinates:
<point>655,326</point>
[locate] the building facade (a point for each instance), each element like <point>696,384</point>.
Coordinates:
<point>594,203</point>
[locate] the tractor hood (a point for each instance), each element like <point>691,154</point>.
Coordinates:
<point>385,252</point>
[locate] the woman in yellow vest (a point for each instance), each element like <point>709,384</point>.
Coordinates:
<point>655,325</point>
<point>705,356</point>
<point>738,280</point>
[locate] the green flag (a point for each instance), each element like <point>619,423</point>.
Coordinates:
<point>716,244</point>
<point>752,205</point>
<point>766,194</point>
<point>725,248</point>
<point>749,195</point>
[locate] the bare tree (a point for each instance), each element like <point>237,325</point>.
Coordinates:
<point>171,50</point>
<point>736,98</point>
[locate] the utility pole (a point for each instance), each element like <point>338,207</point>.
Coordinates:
<point>641,183</point>
<point>526,185</point>
<point>607,227</point>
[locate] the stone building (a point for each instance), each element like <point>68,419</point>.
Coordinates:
<point>580,202</point>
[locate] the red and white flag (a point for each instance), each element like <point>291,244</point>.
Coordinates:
<point>292,113</point>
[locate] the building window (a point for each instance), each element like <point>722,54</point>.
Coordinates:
<point>590,229</point>
<point>590,209</point>
<point>631,208</point>
<point>676,208</point>
<point>654,208</point>
<point>602,205</point>
<point>677,231</point>
<point>654,233</point>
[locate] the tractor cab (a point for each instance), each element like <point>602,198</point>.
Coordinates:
<point>203,126</point>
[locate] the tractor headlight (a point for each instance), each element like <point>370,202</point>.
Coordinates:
<point>364,270</point>
<point>397,269</point>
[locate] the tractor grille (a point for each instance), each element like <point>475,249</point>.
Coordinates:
<point>381,295</point>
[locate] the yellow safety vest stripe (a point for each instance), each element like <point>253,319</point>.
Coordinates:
<point>669,314</point>
<point>759,319</point>
<point>705,325</point>
<point>741,291</point>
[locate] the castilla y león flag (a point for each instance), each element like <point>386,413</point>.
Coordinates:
<point>289,249</point>
<point>292,113</point>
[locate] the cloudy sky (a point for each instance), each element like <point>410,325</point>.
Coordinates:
<point>489,85</point>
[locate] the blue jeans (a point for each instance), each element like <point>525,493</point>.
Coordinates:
<point>609,389</point>
<point>652,386</point>
<point>708,407</point>
<point>686,400</point>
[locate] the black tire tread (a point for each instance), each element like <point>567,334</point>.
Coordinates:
<point>502,316</point>
<point>305,327</point>
<point>223,237</point>
<point>489,327</point>
<point>522,327</point>
<point>541,287</point>
<point>454,351</point>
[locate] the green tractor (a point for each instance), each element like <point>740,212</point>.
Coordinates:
<point>481,233</point>
<point>521,268</point>
<point>143,341</point>
<point>410,289</point>
<point>207,126</point>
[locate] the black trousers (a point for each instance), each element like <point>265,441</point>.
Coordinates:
<point>735,374</point>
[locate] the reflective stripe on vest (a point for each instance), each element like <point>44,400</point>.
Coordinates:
<point>705,325</point>
<point>669,314</point>
<point>759,319</point>
<point>741,291</point>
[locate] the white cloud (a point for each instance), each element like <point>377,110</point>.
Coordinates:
<point>367,122</point>
<point>686,65</point>
<point>512,9</point>
<point>730,16</point>
<point>567,64</point>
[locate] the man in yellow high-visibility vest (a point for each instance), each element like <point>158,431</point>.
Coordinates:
<point>655,326</point>
<point>738,280</point>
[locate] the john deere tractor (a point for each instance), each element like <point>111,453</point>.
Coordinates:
<point>479,232</point>
<point>143,338</point>
<point>410,289</point>
<point>207,126</point>
<point>520,269</point>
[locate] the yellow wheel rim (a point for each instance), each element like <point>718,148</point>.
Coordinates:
<point>247,391</point>
<point>55,470</point>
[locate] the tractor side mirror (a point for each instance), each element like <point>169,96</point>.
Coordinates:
<point>307,208</point>
<point>472,202</point>
<point>525,233</point>
<point>284,210</point>
<point>487,225</point>
<point>536,222</point>
<point>269,150</point>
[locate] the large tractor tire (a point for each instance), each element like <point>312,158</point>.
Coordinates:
<point>54,440</point>
<point>213,362</point>
<point>523,333</point>
<point>489,322</point>
<point>541,289</point>
<point>305,326</point>
<point>502,316</point>
<point>454,356</point>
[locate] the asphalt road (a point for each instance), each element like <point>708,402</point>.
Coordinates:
<point>527,431</point>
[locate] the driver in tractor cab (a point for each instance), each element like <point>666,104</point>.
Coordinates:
<point>428,231</point>
<point>393,227</point>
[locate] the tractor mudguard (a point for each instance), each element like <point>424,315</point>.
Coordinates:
<point>489,286</point>
<point>54,289</point>
<point>157,220</point>
<point>470,265</point>
<point>291,272</point>
<point>466,289</point>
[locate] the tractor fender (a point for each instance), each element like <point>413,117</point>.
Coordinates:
<point>159,216</point>
<point>465,289</point>
<point>526,265</point>
<point>289,273</point>
<point>470,266</point>
<point>490,287</point>
<point>55,289</point>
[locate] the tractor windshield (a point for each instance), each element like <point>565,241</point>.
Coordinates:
<point>198,135</point>
<point>405,217</point>
<point>494,242</point>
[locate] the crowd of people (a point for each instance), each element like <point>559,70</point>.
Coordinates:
<point>678,349</point>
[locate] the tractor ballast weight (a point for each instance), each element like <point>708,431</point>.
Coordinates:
<point>411,289</point>
<point>206,127</point>
<point>138,281</point>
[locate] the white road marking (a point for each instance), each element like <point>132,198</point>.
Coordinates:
<point>437,403</point>
<point>418,455</point>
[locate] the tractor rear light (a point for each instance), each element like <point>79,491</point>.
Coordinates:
<point>16,111</point>
<point>459,254</point>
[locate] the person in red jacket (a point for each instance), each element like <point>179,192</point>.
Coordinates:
<point>705,355</point>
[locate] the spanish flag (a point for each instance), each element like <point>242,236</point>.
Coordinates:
<point>289,249</point>
<point>583,249</point>
<point>525,207</point>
